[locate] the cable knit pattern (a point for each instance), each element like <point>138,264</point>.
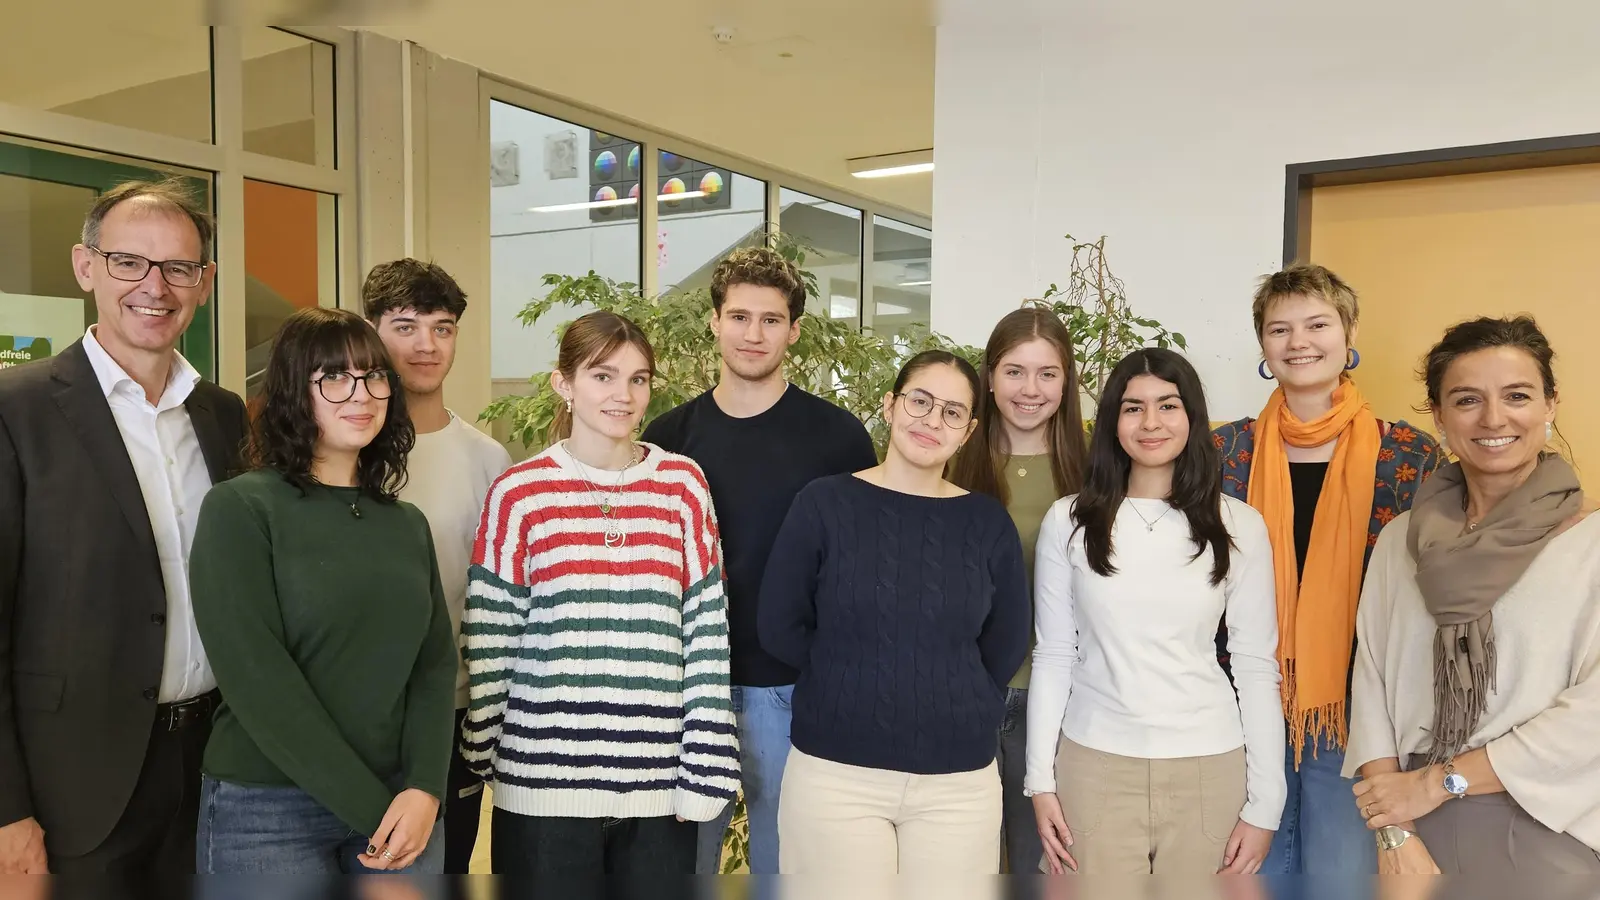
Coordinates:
<point>599,675</point>
<point>905,615</point>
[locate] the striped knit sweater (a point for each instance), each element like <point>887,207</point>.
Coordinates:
<point>599,675</point>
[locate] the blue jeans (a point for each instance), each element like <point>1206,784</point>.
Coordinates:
<point>1322,833</point>
<point>246,830</point>
<point>763,714</point>
<point>1019,829</point>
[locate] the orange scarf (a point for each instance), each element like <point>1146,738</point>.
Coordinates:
<point>1317,612</point>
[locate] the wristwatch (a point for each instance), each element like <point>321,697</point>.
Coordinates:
<point>1390,837</point>
<point>1455,783</point>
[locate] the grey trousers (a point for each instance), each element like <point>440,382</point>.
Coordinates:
<point>1489,834</point>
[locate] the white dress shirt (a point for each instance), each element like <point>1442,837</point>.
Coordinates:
<point>1127,664</point>
<point>173,478</point>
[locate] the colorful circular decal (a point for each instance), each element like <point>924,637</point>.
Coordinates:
<point>673,186</point>
<point>605,194</point>
<point>711,185</point>
<point>633,161</point>
<point>605,165</point>
<point>672,162</point>
<point>633,192</point>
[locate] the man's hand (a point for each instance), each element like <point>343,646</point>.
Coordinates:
<point>22,849</point>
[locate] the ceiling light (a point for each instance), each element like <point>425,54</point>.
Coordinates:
<point>620,201</point>
<point>890,164</point>
<point>915,283</point>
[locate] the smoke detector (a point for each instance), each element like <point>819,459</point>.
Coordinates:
<point>722,34</point>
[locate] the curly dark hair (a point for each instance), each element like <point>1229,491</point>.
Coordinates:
<point>762,267</point>
<point>411,284</point>
<point>284,433</point>
<point>1485,333</point>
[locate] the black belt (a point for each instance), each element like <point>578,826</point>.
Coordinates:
<point>184,713</point>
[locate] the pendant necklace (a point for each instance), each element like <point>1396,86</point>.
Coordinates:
<point>1149,525</point>
<point>616,535</point>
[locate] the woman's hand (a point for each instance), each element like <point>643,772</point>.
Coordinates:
<point>404,832</point>
<point>1246,851</point>
<point>1054,833</point>
<point>1400,798</point>
<point>1410,858</point>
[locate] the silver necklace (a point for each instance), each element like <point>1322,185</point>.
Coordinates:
<point>616,535</point>
<point>1149,525</point>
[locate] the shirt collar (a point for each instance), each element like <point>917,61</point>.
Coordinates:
<point>181,377</point>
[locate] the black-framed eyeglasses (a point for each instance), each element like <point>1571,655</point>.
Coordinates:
<point>919,403</point>
<point>337,387</point>
<point>133,267</point>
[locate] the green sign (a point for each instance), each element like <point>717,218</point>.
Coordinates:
<point>16,350</point>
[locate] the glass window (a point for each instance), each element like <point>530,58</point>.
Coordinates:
<point>902,275</point>
<point>702,212</point>
<point>831,236</point>
<point>288,96</point>
<point>563,199</point>
<point>139,65</point>
<point>290,261</point>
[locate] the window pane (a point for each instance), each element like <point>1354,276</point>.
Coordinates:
<point>902,275</point>
<point>831,234</point>
<point>702,213</point>
<point>288,96</point>
<point>42,309</point>
<point>290,263</point>
<point>140,65</point>
<point>562,201</point>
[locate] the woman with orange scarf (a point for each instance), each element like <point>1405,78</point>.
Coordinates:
<point>1327,475</point>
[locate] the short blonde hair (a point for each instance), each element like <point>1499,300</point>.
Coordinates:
<point>1309,280</point>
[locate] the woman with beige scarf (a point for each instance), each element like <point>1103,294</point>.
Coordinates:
<point>1476,711</point>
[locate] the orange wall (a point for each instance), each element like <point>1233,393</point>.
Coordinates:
<point>1427,253</point>
<point>280,247</point>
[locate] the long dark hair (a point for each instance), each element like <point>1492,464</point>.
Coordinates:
<point>977,465</point>
<point>1196,473</point>
<point>284,434</point>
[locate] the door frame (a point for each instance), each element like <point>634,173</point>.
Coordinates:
<point>1301,178</point>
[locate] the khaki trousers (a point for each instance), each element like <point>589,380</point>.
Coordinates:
<point>1148,816</point>
<point>839,819</point>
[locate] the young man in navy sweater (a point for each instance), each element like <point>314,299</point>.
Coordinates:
<point>759,440</point>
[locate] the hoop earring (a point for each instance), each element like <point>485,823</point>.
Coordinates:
<point>1355,359</point>
<point>1262,371</point>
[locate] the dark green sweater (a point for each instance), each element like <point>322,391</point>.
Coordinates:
<point>330,640</point>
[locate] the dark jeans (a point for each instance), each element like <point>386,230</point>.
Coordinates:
<point>1019,829</point>
<point>593,859</point>
<point>462,808</point>
<point>150,851</point>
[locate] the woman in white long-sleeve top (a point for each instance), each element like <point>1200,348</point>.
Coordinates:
<point>1476,717</point>
<point>1142,758</point>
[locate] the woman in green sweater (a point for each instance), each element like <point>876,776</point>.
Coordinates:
<point>317,596</point>
<point>1028,452</point>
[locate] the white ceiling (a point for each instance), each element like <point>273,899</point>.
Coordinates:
<point>802,87</point>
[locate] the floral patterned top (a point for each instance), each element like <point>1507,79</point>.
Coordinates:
<point>1407,455</point>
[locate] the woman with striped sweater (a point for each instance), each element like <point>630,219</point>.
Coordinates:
<point>596,641</point>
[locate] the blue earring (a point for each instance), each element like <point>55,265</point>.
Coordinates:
<point>1262,371</point>
<point>1355,359</point>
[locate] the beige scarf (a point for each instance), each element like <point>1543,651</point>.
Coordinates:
<point>1463,573</point>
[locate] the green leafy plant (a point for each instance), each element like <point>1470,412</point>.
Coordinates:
<point>1094,306</point>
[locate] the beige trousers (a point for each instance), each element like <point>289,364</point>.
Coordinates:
<point>1489,834</point>
<point>835,818</point>
<point>1148,816</point>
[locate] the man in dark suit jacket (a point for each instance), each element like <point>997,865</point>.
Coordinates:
<point>106,451</point>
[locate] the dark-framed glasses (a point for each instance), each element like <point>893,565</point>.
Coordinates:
<point>133,267</point>
<point>337,387</point>
<point>919,403</point>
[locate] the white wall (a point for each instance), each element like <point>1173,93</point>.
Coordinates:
<point>1168,129</point>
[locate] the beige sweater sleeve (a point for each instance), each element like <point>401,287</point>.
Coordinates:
<point>1550,764</point>
<point>1372,728</point>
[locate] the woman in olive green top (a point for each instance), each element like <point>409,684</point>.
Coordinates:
<point>1028,451</point>
<point>317,596</point>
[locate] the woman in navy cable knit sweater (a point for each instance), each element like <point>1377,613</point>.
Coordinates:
<point>902,600</point>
